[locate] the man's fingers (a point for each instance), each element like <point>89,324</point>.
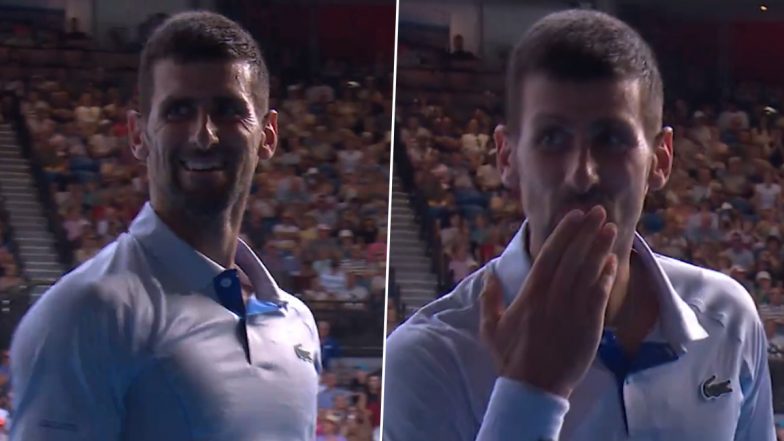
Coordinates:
<point>546,262</point>
<point>574,256</point>
<point>553,248</point>
<point>601,292</point>
<point>596,259</point>
<point>492,306</point>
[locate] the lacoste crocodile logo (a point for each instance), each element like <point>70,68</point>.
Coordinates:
<point>711,389</point>
<point>303,354</point>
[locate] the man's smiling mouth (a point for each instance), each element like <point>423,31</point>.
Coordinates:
<point>202,164</point>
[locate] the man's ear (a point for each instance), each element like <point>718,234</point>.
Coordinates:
<point>136,138</point>
<point>269,140</point>
<point>505,162</point>
<point>661,167</point>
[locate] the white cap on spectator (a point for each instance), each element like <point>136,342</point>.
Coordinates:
<point>738,268</point>
<point>726,206</point>
<point>763,275</point>
<point>324,227</point>
<point>312,171</point>
<point>345,233</point>
<point>699,114</point>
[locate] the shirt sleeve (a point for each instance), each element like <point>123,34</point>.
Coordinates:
<point>522,411</point>
<point>756,421</point>
<point>425,398</point>
<point>67,363</point>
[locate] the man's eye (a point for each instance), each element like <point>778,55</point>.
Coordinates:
<point>614,140</point>
<point>179,111</point>
<point>229,111</point>
<point>553,139</point>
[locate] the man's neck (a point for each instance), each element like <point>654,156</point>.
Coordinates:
<point>632,313</point>
<point>215,237</point>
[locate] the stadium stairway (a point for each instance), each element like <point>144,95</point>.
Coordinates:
<point>408,254</point>
<point>39,259</point>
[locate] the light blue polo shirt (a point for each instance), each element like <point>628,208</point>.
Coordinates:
<point>441,384</point>
<point>135,345</point>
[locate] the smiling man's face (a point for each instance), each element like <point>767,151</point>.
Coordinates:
<point>203,137</point>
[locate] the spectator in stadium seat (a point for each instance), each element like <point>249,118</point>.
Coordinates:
<point>413,130</point>
<point>367,231</point>
<point>87,114</point>
<point>458,51</point>
<point>356,262</point>
<point>737,252</point>
<point>324,244</point>
<point>767,194</point>
<point>374,400</point>
<point>473,141</point>
<point>766,225</point>
<point>11,276</point>
<point>324,212</point>
<point>462,263</point>
<point>356,294</point>
<point>350,156</point>
<point>772,307</point>
<point>732,116</point>
<point>763,285</point>
<point>334,278</point>
<point>703,225</point>
<point>775,338</point>
<point>329,390</point>
<point>377,251</point>
<point>330,347</point>
<point>330,429</point>
<point>75,224</point>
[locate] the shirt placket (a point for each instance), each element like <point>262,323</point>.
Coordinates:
<point>229,291</point>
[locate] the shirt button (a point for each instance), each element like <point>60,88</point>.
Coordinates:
<point>226,282</point>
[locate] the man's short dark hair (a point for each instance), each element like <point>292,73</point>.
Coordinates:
<point>585,45</point>
<point>202,36</point>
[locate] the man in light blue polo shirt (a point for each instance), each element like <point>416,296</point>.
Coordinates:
<point>176,331</point>
<point>578,331</point>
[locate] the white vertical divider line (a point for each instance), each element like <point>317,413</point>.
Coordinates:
<point>389,217</point>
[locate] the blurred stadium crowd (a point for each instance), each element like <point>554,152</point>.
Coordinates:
<point>316,215</point>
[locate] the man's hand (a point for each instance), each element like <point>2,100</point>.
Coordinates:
<point>549,334</point>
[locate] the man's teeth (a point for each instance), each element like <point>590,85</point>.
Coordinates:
<point>202,164</point>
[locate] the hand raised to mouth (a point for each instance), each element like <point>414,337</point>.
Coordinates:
<point>549,335</point>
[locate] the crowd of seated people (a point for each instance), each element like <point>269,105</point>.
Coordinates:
<point>722,209</point>
<point>349,398</point>
<point>43,34</point>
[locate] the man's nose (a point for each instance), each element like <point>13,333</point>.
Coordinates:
<point>205,132</point>
<point>583,170</point>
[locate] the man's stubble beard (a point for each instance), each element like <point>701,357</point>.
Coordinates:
<point>215,210</point>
